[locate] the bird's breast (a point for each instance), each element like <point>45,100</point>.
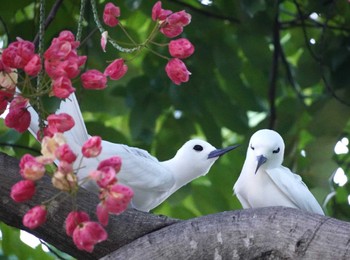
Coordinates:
<point>260,191</point>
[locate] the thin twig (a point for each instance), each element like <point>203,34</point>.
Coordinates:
<point>49,18</point>
<point>274,69</point>
<point>101,29</point>
<point>312,24</point>
<point>21,147</point>
<point>289,73</point>
<point>206,13</point>
<point>318,59</point>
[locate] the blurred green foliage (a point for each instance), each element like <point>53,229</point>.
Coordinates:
<point>258,64</point>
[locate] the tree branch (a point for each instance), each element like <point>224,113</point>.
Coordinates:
<point>274,69</point>
<point>122,229</point>
<point>49,18</point>
<point>262,233</point>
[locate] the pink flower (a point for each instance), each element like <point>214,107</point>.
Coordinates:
<point>49,145</point>
<point>54,69</point>
<point>64,178</point>
<point>171,31</point>
<point>62,87</point>
<point>18,54</point>
<point>117,198</point>
<point>94,79</point>
<point>92,147</point>
<point>65,153</point>
<point>60,122</point>
<point>61,58</point>
<point>115,162</point>
<point>69,37</point>
<point>102,213</point>
<point>62,46</point>
<point>104,177</point>
<point>87,234</point>
<point>23,190</point>
<point>177,71</point>
<point>30,168</point>
<point>174,23</point>
<point>73,219</point>
<point>69,67</point>
<point>158,13</point>
<point>18,117</point>
<point>179,19</point>
<point>35,217</point>
<point>46,132</point>
<point>116,69</point>
<point>8,77</point>
<point>181,48</point>
<point>110,14</point>
<point>33,66</point>
<point>104,37</point>
<point>5,98</point>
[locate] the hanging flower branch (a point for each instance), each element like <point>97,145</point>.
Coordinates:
<point>54,70</point>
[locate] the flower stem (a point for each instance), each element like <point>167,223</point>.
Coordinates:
<point>40,51</point>
<point>127,34</point>
<point>81,19</point>
<point>101,29</point>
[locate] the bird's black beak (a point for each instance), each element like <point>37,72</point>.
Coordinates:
<point>261,160</point>
<point>219,152</point>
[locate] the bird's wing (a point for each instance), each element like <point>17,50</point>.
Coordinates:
<point>78,135</point>
<point>295,189</point>
<point>139,169</point>
<point>243,201</point>
<point>34,121</point>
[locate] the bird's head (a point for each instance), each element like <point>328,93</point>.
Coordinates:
<point>200,155</point>
<point>266,149</point>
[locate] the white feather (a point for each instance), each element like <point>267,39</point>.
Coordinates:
<point>152,181</point>
<point>271,184</point>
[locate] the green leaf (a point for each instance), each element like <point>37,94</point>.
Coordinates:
<point>12,245</point>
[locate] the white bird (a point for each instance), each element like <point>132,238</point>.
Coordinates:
<point>264,182</point>
<point>151,180</point>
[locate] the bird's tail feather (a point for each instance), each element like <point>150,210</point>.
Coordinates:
<point>75,137</point>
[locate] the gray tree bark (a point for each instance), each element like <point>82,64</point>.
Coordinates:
<point>265,233</point>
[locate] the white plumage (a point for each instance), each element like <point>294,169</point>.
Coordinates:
<point>264,182</point>
<point>152,181</point>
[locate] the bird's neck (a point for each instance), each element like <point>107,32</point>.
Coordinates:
<point>182,172</point>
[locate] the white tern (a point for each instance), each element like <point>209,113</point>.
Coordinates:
<point>151,180</point>
<point>264,182</point>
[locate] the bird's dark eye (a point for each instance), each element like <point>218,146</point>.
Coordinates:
<point>276,151</point>
<point>251,146</point>
<point>198,148</point>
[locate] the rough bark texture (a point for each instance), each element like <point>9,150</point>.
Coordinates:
<point>122,229</point>
<point>266,233</point>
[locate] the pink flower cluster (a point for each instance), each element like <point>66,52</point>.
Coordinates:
<point>85,233</point>
<point>171,25</point>
<point>62,63</point>
<point>114,197</point>
<point>18,55</point>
